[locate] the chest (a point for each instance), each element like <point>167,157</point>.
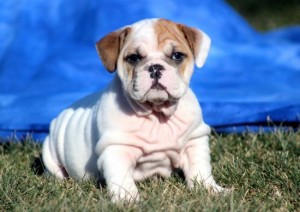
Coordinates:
<point>161,131</point>
<point>162,142</point>
<point>160,163</point>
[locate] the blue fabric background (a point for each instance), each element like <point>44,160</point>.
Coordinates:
<point>48,60</point>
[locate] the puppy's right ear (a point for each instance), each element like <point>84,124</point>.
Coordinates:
<point>110,46</point>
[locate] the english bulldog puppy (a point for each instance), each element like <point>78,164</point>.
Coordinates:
<point>147,122</point>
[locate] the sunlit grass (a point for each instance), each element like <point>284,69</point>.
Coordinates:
<point>263,170</point>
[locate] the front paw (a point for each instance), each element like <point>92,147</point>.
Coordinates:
<point>218,190</point>
<point>124,195</point>
<point>211,186</point>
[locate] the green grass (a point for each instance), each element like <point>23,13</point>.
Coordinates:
<point>262,168</point>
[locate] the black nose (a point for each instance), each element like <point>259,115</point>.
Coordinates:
<point>155,71</point>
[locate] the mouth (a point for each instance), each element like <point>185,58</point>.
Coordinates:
<point>157,95</point>
<point>152,92</point>
<point>155,104</point>
<point>160,107</point>
<point>158,86</point>
<point>157,99</point>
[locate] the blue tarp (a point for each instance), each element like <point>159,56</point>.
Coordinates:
<point>48,60</point>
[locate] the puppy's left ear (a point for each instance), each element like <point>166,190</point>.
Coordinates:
<point>109,47</point>
<point>199,43</point>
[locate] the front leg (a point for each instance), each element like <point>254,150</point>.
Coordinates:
<point>117,164</point>
<point>196,165</point>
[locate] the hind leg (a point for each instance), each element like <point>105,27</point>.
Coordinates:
<point>51,165</point>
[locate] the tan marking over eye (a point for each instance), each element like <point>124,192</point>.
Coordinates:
<point>167,31</point>
<point>170,34</point>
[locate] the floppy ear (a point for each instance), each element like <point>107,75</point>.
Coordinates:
<point>110,46</point>
<point>199,43</point>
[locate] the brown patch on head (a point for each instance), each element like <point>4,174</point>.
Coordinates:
<point>185,39</point>
<point>193,38</point>
<point>168,31</point>
<point>110,46</point>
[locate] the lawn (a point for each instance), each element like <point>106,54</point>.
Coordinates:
<point>262,168</point>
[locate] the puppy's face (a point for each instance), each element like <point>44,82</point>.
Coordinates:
<point>154,58</point>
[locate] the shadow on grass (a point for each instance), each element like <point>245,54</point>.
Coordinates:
<point>37,165</point>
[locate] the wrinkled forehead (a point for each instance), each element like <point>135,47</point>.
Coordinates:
<point>157,33</point>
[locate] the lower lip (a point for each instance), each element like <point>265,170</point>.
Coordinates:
<point>159,103</point>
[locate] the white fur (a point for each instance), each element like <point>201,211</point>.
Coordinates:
<point>112,134</point>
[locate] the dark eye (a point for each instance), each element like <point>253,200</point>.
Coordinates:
<point>178,56</point>
<point>133,58</point>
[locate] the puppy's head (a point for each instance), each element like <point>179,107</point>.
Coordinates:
<point>154,59</point>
